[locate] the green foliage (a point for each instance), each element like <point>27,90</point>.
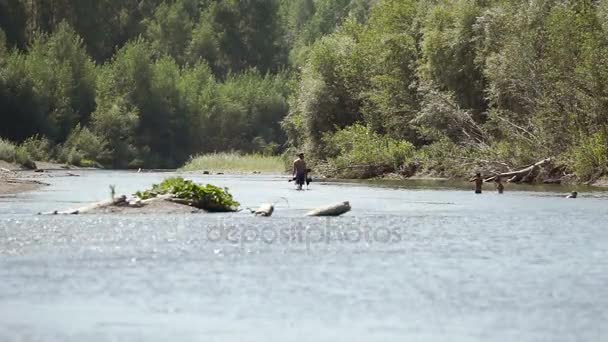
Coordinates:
<point>2,45</point>
<point>26,153</point>
<point>450,52</point>
<point>251,107</point>
<point>444,158</point>
<point>357,146</point>
<point>116,124</point>
<point>83,147</point>
<point>589,157</point>
<point>208,197</point>
<point>50,89</point>
<point>38,148</point>
<point>158,81</point>
<point>170,28</point>
<point>7,150</point>
<point>23,158</point>
<point>324,100</point>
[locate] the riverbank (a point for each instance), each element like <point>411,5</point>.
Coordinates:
<point>14,179</point>
<point>13,186</point>
<point>548,171</point>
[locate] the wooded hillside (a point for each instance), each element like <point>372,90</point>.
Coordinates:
<point>449,85</point>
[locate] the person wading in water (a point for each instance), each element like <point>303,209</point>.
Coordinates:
<point>299,171</point>
<point>499,186</point>
<point>478,182</point>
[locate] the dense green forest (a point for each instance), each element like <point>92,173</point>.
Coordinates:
<point>446,86</point>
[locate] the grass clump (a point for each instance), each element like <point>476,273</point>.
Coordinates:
<point>84,148</point>
<point>7,150</point>
<point>235,162</point>
<point>208,197</point>
<point>38,148</point>
<point>23,158</point>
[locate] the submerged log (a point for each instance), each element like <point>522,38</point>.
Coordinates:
<point>26,181</point>
<point>332,210</point>
<point>265,210</point>
<point>120,201</point>
<point>524,175</point>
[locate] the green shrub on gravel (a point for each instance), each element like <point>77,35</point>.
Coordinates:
<point>7,150</point>
<point>208,197</point>
<point>23,158</point>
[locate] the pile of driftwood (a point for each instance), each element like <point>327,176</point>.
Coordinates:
<point>121,202</point>
<point>524,175</point>
<point>265,210</point>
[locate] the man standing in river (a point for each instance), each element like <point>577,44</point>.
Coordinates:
<point>478,182</point>
<point>299,171</point>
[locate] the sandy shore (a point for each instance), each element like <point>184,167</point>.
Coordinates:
<point>12,181</point>
<point>13,187</point>
<point>15,180</point>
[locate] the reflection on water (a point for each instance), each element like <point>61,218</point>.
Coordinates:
<point>408,263</point>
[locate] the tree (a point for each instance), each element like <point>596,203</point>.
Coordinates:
<point>13,22</point>
<point>449,50</point>
<point>170,28</point>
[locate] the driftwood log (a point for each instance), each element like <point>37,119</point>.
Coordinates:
<point>265,210</point>
<point>524,175</point>
<point>119,201</point>
<point>332,210</point>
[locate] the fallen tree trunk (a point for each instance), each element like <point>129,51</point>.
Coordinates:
<point>265,210</point>
<point>120,201</point>
<point>332,210</point>
<point>179,201</point>
<point>524,175</point>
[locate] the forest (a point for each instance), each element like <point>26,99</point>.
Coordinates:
<point>364,87</point>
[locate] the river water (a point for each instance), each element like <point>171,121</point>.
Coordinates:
<point>411,262</point>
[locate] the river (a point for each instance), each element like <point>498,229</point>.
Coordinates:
<point>411,262</point>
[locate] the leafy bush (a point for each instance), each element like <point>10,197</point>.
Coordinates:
<point>83,144</point>
<point>26,153</point>
<point>589,158</point>
<point>357,147</point>
<point>38,148</point>
<point>7,150</point>
<point>23,158</point>
<point>207,197</point>
<point>443,158</point>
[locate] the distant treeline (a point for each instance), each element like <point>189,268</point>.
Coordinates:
<point>491,83</point>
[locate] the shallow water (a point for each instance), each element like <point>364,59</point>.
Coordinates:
<point>408,263</point>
